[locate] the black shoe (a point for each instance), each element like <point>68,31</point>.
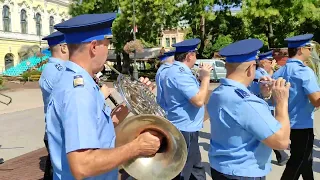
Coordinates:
<point>283,161</point>
<point>1,160</point>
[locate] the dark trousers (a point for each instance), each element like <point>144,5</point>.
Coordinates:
<point>219,176</point>
<point>48,174</point>
<point>300,162</point>
<point>281,155</point>
<point>193,168</point>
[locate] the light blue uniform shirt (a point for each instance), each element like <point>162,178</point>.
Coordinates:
<point>160,77</point>
<point>49,77</point>
<point>77,118</point>
<point>239,122</point>
<point>303,82</point>
<point>255,86</point>
<point>180,86</point>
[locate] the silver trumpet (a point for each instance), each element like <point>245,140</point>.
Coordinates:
<point>169,161</point>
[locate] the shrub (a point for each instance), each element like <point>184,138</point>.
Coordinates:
<point>1,81</point>
<point>26,75</point>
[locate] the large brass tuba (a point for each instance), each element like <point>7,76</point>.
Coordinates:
<point>149,116</point>
<point>314,61</point>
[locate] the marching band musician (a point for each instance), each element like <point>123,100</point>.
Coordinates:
<point>49,77</point>
<point>166,61</point>
<point>304,97</point>
<point>243,131</point>
<point>185,99</point>
<point>264,68</point>
<point>80,130</point>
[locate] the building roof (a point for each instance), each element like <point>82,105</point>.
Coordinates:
<point>148,53</point>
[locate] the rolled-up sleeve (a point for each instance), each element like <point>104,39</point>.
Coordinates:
<point>309,80</point>
<point>186,84</point>
<point>257,119</point>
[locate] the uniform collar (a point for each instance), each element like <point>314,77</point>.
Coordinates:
<point>230,82</point>
<point>78,70</point>
<point>186,68</point>
<point>293,60</point>
<point>55,60</point>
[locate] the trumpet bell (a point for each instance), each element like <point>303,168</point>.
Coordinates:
<point>168,162</point>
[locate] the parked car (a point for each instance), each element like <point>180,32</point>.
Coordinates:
<point>219,71</point>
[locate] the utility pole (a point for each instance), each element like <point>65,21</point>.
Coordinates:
<point>135,70</point>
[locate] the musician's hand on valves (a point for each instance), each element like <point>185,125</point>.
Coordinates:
<point>106,91</point>
<point>147,144</point>
<point>147,82</point>
<point>204,72</point>
<point>280,91</point>
<point>266,84</point>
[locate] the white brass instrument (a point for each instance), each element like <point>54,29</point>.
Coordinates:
<point>314,61</point>
<point>169,161</point>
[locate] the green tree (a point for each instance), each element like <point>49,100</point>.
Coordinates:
<point>209,24</point>
<point>278,19</point>
<point>151,16</point>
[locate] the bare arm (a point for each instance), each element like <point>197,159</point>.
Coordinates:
<point>93,162</point>
<point>315,99</point>
<point>280,139</point>
<point>201,97</point>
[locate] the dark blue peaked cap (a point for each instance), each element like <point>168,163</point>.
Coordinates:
<point>166,55</point>
<point>242,51</point>
<point>189,45</point>
<point>55,38</point>
<point>265,55</point>
<point>87,27</point>
<point>299,41</point>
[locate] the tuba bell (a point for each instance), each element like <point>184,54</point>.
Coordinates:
<point>170,159</point>
<point>314,61</point>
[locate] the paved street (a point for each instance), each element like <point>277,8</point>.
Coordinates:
<point>22,127</point>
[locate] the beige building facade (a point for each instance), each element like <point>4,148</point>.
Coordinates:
<point>170,37</point>
<point>25,23</point>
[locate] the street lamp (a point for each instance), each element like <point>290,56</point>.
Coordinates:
<point>135,70</point>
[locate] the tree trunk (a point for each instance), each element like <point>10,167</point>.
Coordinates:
<point>126,63</point>
<point>203,36</point>
<point>119,67</point>
<point>270,35</point>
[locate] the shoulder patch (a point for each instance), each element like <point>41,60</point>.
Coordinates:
<point>242,93</point>
<point>78,81</point>
<point>59,67</point>
<point>181,69</point>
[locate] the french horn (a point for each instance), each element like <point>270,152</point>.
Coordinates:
<point>169,161</point>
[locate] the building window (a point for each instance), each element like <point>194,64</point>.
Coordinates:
<point>167,42</point>
<point>24,23</point>
<point>8,60</point>
<point>38,24</point>
<point>62,20</point>
<point>51,24</point>
<point>174,40</point>
<point>6,19</point>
